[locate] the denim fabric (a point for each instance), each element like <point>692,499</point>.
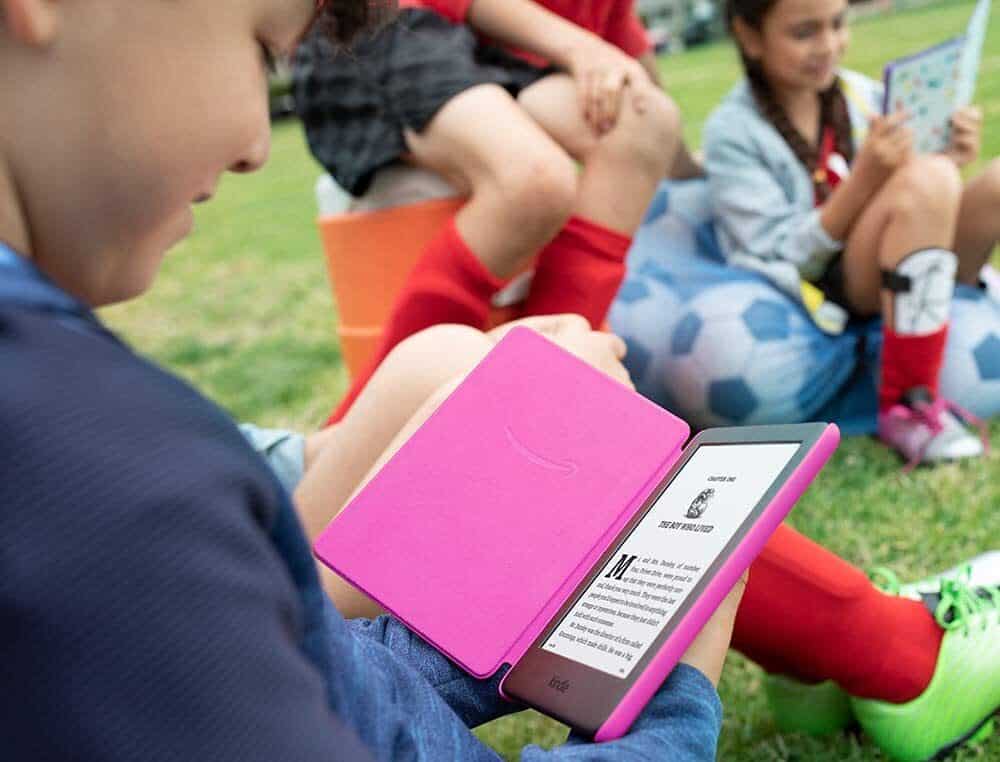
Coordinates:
<point>284,452</point>
<point>762,195</point>
<point>681,723</point>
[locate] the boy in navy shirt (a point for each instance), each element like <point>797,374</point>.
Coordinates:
<point>157,593</point>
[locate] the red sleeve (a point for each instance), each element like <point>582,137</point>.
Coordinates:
<point>453,10</point>
<point>627,32</point>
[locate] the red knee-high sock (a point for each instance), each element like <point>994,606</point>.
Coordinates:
<point>909,362</point>
<point>812,616</point>
<point>579,271</point>
<point>447,285</point>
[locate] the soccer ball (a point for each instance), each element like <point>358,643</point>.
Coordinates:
<point>744,353</point>
<point>720,346</point>
<point>971,372</point>
<point>644,314</point>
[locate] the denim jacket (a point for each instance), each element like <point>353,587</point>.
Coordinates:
<point>761,194</point>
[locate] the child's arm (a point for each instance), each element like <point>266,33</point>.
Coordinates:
<point>648,62</point>
<point>754,212</point>
<point>528,26</point>
<point>408,699</point>
<point>680,724</point>
<point>682,720</point>
<point>887,147</point>
<point>600,68</point>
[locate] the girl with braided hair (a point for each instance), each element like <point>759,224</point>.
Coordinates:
<point>812,187</point>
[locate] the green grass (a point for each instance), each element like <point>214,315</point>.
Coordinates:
<point>243,309</point>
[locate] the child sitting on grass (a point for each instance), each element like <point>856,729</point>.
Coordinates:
<point>158,596</point>
<point>809,186</point>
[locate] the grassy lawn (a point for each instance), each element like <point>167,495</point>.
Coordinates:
<point>243,309</point>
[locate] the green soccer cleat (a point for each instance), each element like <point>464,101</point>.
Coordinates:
<point>824,708</point>
<point>959,703</point>
<point>817,710</point>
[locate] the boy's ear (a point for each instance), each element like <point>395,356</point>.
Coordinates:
<point>30,22</point>
<point>748,38</point>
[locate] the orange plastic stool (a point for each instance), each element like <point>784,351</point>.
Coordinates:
<point>368,256</point>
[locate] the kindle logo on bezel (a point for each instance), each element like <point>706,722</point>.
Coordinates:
<point>560,685</point>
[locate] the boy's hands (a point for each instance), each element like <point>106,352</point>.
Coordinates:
<point>602,72</point>
<point>604,351</point>
<point>966,135</point>
<point>888,146</point>
<point>707,653</point>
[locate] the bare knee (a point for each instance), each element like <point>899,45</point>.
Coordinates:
<point>990,182</point>
<point>436,355</point>
<point>927,188</point>
<point>648,130</point>
<point>537,191</point>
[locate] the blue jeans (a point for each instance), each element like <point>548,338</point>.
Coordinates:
<point>404,700</point>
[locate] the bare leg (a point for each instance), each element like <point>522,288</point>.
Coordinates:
<point>522,185</point>
<point>916,209</point>
<point>622,168</point>
<point>907,231</point>
<point>401,394</point>
<point>978,223</point>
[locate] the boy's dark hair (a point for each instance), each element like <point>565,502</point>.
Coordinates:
<point>343,20</point>
<point>833,104</point>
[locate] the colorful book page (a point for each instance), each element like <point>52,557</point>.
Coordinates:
<point>932,84</point>
<point>926,86</point>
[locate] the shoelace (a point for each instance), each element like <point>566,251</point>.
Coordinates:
<point>962,604</point>
<point>929,413</point>
<point>885,579</point>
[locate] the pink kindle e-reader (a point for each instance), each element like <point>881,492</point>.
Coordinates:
<point>545,517</point>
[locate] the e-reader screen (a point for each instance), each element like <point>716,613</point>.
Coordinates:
<point>659,563</point>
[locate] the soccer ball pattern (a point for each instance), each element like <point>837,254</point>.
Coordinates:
<point>722,346</point>
<point>971,372</point>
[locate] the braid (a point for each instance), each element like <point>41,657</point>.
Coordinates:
<point>837,115</point>
<point>776,115</point>
<point>833,113</point>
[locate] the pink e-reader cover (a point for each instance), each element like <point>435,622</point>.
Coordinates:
<point>477,530</point>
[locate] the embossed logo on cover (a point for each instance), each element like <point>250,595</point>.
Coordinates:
<point>565,467</point>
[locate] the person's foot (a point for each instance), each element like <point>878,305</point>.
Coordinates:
<point>958,704</point>
<point>928,430</point>
<point>824,708</point>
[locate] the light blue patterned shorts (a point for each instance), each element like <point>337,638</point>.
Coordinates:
<point>284,451</point>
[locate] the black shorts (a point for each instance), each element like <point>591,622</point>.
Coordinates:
<point>355,105</point>
<point>831,282</point>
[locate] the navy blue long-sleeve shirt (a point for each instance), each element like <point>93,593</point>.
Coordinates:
<point>158,599</point>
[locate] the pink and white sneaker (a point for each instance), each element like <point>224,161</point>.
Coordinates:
<point>928,430</point>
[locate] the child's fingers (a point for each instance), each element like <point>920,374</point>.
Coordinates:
<point>708,650</point>
<point>551,326</point>
<point>614,86</point>
<point>891,122</point>
<point>584,88</point>
<point>968,117</point>
<point>618,346</point>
